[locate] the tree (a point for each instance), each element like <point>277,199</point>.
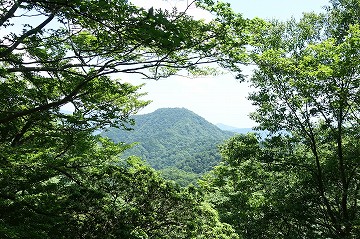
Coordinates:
<point>53,167</point>
<point>307,85</point>
<point>76,43</point>
<point>307,94</point>
<point>233,187</point>
<point>265,189</point>
<point>90,193</point>
<point>310,88</point>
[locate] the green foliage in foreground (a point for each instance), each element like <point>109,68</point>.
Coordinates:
<point>304,184</point>
<point>270,189</point>
<point>57,180</point>
<point>91,193</point>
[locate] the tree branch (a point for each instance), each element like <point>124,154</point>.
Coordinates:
<point>10,13</point>
<point>28,33</point>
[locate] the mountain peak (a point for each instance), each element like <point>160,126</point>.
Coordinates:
<point>175,113</point>
<point>177,109</point>
<point>174,137</point>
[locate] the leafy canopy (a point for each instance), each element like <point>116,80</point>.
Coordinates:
<point>307,94</point>
<point>58,179</point>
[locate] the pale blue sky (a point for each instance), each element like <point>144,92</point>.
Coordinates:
<point>221,99</point>
<point>279,9</point>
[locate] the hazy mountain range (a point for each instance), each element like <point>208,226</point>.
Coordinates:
<point>234,129</point>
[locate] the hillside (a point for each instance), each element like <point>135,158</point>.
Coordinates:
<point>174,140</point>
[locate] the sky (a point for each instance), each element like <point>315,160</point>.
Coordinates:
<point>219,99</point>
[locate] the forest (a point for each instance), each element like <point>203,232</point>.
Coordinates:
<point>60,178</point>
<point>178,143</point>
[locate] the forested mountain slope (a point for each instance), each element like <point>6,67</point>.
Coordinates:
<point>170,139</point>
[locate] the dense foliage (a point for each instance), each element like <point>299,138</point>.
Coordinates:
<point>57,179</point>
<point>175,141</point>
<point>303,182</point>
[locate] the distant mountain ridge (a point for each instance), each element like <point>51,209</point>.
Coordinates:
<point>262,133</point>
<point>234,129</point>
<point>173,138</point>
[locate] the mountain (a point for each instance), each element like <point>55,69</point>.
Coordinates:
<point>174,140</point>
<point>234,129</point>
<point>262,134</point>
